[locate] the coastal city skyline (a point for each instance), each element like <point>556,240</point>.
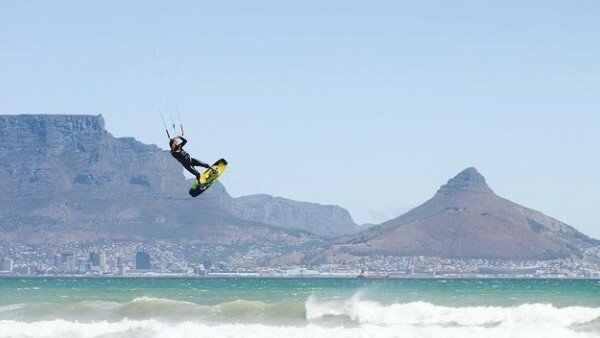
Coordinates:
<point>133,259</point>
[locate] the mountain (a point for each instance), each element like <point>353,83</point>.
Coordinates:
<point>465,219</point>
<point>326,220</point>
<point>64,178</point>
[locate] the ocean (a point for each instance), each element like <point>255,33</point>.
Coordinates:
<point>288,308</point>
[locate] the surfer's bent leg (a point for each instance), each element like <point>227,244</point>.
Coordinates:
<point>196,162</point>
<point>192,170</point>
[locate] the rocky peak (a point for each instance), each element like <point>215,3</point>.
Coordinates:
<point>467,180</point>
<point>465,219</point>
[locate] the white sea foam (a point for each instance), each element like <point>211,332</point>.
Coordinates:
<point>153,328</point>
<point>420,318</point>
<point>353,317</point>
<point>421,313</point>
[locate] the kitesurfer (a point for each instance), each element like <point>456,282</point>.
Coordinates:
<point>185,159</point>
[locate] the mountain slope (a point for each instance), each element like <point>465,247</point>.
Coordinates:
<point>466,219</point>
<point>64,178</point>
<point>326,220</point>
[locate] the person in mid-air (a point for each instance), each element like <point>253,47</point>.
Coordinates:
<point>185,159</point>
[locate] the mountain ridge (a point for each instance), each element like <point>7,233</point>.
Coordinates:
<point>289,213</point>
<point>76,181</point>
<point>68,179</point>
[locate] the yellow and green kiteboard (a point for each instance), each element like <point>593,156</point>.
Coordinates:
<point>208,177</point>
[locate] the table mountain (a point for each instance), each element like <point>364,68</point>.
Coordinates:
<point>64,178</point>
<point>466,219</point>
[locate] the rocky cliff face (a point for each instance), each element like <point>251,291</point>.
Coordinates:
<point>468,180</point>
<point>465,219</point>
<point>327,220</point>
<point>65,178</point>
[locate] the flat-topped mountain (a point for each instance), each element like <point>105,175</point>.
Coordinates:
<point>64,178</point>
<point>466,219</point>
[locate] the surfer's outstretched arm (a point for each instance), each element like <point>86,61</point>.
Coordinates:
<point>174,145</point>
<point>183,140</point>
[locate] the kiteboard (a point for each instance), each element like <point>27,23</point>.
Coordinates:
<point>208,177</point>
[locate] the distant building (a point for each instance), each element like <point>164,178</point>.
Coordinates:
<point>66,256</point>
<point>6,265</point>
<point>58,261</point>
<point>200,270</point>
<point>24,270</point>
<point>102,261</point>
<point>94,258</point>
<point>142,261</point>
<point>83,265</point>
<point>69,261</point>
<point>120,265</point>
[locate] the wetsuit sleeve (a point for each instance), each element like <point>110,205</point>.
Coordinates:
<point>183,141</point>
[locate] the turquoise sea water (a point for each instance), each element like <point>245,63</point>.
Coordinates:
<point>297,307</point>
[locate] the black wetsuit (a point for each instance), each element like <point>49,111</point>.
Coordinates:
<point>187,161</point>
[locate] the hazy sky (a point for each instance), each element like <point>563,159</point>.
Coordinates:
<point>371,105</point>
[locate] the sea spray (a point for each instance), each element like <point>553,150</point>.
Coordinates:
<point>154,328</point>
<point>421,313</point>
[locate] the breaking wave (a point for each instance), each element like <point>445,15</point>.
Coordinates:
<point>155,328</point>
<point>351,317</point>
<point>421,313</point>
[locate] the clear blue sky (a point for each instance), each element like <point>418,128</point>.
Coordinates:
<point>371,105</point>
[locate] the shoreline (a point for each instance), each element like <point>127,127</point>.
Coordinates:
<point>216,277</point>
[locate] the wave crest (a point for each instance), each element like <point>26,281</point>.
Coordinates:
<point>421,313</point>
<point>147,308</point>
<point>353,316</point>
